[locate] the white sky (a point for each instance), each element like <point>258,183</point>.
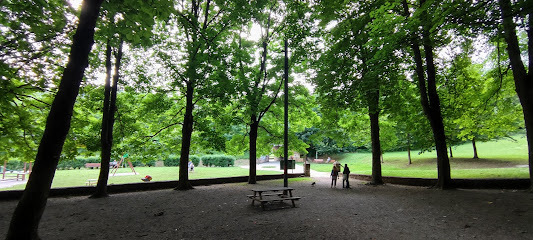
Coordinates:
<point>254,35</point>
<point>75,3</point>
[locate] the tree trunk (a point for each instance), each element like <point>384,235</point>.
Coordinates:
<point>436,122</point>
<point>451,152</point>
<point>409,147</point>
<point>373,112</point>
<point>523,80</point>
<point>28,213</point>
<point>430,99</point>
<point>101,188</point>
<point>109,120</point>
<point>475,148</point>
<point>183,183</point>
<point>253,149</point>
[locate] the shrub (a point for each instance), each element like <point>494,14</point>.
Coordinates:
<point>218,160</point>
<point>135,163</point>
<point>77,162</point>
<point>150,163</point>
<point>195,160</point>
<point>172,161</point>
<point>14,165</point>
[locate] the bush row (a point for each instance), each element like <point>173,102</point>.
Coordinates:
<point>218,160</point>
<point>171,161</point>
<point>80,163</point>
<point>174,161</point>
<point>13,165</point>
<point>77,163</point>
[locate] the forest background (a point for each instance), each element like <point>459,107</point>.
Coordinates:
<point>348,65</point>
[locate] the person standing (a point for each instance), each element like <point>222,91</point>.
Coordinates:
<point>346,176</point>
<point>334,175</point>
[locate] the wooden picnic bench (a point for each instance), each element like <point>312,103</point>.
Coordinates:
<point>318,160</point>
<point>92,165</point>
<point>270,195</point>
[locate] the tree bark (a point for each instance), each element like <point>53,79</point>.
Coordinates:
<point>253,150</point>
<point>409,147</point>
<point>430,99</point>
<point>183,183</point>
<point>107,139</point>
<point>523,80</point>
<point>451,152</point>
<point>475,148</point>
<point>101,188</point>
<point>28,213</point>
<point>373,112</point>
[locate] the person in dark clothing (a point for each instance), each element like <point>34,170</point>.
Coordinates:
<point>334,175</point>
<point>346,176</point>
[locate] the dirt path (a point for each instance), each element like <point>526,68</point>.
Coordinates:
<point>224,212</point>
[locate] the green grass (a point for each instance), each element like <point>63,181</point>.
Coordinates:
<point>504,158</point>
<point>78,177</point>
<point>498,159</point>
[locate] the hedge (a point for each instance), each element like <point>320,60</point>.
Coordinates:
<point>174,161</point>
<point>195,160</point>
<point>77,162</point>
<point>218,160</point>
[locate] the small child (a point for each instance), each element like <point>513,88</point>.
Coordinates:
<point>191,166</point>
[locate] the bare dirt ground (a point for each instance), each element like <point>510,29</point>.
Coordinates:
<point>224,212</point>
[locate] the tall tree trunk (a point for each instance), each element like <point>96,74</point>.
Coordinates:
<point>28,213</point>
<point>475,148</point>
<point>373,112</point>
<point>523,80</point>
<point>183,183</point>
<point>101,188</point>
<point>451,152</point>
<point>253,150</point>
<point>409,147</point>
<point>435,115</point>
<point>109,120</point>
<point>430,99</point>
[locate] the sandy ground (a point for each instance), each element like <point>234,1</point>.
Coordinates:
<point>224,212</point>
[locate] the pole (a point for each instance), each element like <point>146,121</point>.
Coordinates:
<point>4,173</point>
<point>286,131</point>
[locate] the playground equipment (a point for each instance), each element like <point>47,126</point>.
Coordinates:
<point>115,168</point>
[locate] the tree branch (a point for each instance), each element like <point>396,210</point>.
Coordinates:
<point>162,129</point>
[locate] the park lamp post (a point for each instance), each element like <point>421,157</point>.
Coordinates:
<point>286,119</point>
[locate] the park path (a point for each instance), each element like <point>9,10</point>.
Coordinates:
<point>274,166</point>
<point>5,183</point>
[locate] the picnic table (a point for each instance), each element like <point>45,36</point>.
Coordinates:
<point>91,182</point>
<point>22,175</point>
<point>278,194</point>
<point>15,175</point>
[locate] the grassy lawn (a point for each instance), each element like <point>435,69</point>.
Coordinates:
<point>78,177</point>
<point>498,159</point>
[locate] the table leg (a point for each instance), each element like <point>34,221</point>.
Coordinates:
<point>253,199</point>
<point>292,200</point>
